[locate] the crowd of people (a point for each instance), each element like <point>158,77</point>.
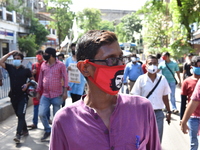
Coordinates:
<point>102,117</point>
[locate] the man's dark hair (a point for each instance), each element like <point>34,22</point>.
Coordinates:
<point>113,84</point>
<point>40,52</point>
<point>62,55</point>
<point>195,60</point>
<point>133,55</point>
<point>166,53</point>
<point>88,45</point>
<point>51,51</point>
<point>72,45</point>
<point>158,55</point>
<point>18,54</point>
<point>152,57</point>
<point>190,54</point>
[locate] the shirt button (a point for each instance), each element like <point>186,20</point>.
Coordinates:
<point>106,132</point>
<point>96,117</point>
<point>112,148</point>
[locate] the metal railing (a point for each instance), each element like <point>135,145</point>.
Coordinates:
<point>27,62</point>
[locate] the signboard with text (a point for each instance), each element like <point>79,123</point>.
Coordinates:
<point>74,74</point>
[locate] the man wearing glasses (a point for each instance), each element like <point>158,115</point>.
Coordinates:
<point>104,119</point>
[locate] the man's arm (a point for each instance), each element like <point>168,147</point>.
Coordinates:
<point>168,114</point>
<point>65,78</point>
<point>188,112</point>
<point>178,74</point>
<point>4,58</point>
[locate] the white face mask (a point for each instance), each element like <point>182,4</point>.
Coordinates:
<point>152,69</point>
<point>133,59</point>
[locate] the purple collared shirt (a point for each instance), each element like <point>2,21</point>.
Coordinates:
<point>132,127</point>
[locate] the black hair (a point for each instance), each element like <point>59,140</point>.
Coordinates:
<point>72,45</point>
<point>51,51</point>
<point>166,53</point>
<point>190,54</point>
<point>195,60</point>
<point>40,52</point>
<point>151,57</point>
<point>62,55</point>
<point>158,55</point>
<point>18,54</point>
<point>89,44</point>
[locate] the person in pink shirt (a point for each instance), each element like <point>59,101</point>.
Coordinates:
<point>103,119</point>
<point>49,82</point>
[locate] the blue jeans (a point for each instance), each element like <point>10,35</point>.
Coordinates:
<point>44,106</point>
<point>159,119</point>
<point>172,86</point>
<point>193,124</point>
<point>35,114</point>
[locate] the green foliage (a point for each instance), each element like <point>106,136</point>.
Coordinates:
<point>120,32</point>
<point>180,47</point>
<point>107,25</point>
<point>131,25</point>
<point>39,31</point>
<point>27,44</point>
<point>89,19</point>
<point>63,17</point>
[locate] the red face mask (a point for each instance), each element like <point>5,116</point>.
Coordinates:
<point>164,57</point>
<point>39,57</point>
<point>108,78</point>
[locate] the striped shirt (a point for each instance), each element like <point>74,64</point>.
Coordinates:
<point>50,79</point>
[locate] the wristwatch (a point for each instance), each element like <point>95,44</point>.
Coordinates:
<point>169,112</point>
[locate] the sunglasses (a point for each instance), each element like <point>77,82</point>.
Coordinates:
<point>113,61</point>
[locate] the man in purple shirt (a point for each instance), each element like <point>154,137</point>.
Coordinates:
<point>104,119</point>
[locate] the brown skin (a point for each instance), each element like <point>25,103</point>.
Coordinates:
<point>189,109</point>
<point>51,62</point>
<point>2,63</point>
<point>165,97</point>
<point>97,99</point>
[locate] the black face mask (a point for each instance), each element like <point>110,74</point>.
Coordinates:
<point>73,52</point>
<point>46,57</point>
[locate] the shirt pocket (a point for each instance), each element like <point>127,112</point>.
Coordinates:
<point>134,146</point>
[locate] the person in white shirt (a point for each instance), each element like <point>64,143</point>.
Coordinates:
<point>159,97</point>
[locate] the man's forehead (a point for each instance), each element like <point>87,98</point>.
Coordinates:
<point>151,60</point>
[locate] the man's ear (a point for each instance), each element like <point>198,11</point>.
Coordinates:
<point>83,68</point>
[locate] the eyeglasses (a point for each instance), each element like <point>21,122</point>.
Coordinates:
<point>113,61</point>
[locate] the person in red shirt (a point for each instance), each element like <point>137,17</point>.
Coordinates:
<point>186,93</point>
<point>35,72</point>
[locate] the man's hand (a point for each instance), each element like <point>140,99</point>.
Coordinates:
<point>24,87</point>
<point>34,71</point>
<point>184,128</point>
<point>38,96</point>
<point>64,96</point>
<point>179,84</point>
<point>168,118</point>
<point>1,83</point>
<point>12,52</point>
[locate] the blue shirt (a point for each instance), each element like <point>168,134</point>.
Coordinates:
<point>132,71</point>
<point>76,88</point>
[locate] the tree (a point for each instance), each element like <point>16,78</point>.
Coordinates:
<point>27,44</point>
<point>39,31</point>
<point>131,25</point>
<point>63,17</point>
<point>89,19</point>
<point>107,25</point>
<point>120,32</point>
<point>187,13</point>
